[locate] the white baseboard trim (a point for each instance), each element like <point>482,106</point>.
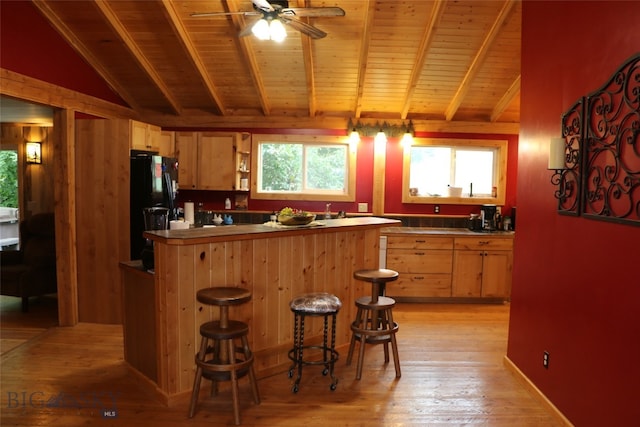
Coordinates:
<point>536,392</point>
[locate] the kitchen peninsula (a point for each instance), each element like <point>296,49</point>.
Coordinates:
<point>162,316</point>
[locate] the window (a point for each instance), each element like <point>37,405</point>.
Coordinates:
<point>455,171</point>
<point>294,167</point>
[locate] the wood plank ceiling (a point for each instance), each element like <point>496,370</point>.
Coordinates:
<point>386,60</point>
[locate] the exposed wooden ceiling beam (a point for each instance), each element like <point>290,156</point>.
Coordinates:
<point>307,57</point>
<point>85,53</point>
<point>122,32</point>
<point>423,50</point>
<point>364,52</point>
<point>478,61</point>
<point>198,119</point>
<point>247,52</point>
<point>187,44</point>
<point>34,90</point>
<point>506,99</point>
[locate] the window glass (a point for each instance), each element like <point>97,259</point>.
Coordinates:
<point>476,168</point>
<point>316,169</point>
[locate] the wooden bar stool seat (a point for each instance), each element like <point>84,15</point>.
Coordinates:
<point>224,353</point>
<point>374,322</point>
<point>314,304</point>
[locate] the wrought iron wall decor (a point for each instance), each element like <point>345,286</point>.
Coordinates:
<point>601,179</point>
<point>568,179</point>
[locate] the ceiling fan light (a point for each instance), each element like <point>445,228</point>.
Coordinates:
<point>261,29</point>
<point>278,33</point>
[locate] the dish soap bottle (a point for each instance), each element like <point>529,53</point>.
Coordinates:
<point>327,211</point>
<point>227,203</point>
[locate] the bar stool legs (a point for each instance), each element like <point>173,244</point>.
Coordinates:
<point>224,353</point>
<point>374,322</point>
<point>314,304</point>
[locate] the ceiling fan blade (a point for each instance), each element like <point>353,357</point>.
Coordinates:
<point>249,25</point>
<point>263,5</point>
<point>205,14</point>
<point>313,12</point>
<point>303,27</point>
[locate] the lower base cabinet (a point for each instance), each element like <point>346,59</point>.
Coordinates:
<point>453,267</point>
<point>424,264</point>
<point>482,267</point>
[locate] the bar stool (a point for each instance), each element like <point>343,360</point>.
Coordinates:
<point>374,322</point>
<point>314,304</point>
<point>222,361</point>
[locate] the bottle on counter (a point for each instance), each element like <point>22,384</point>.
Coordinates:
<point>227,203</point>
<point>199,215</point>
<point>327,211</point>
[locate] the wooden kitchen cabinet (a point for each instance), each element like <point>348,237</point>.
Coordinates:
<point>482,267</point>
<point>144,137</point>
<point>167,144</point>
<point>424,265</point>
<point>207,160</point>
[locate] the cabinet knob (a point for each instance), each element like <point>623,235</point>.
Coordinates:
<point>418,253</point>
<point>420,241</point>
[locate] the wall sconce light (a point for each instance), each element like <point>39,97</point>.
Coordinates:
<point>557,163</point>
<point>269,29</point>
<point>557,157</point>
<point>33,153</point>
<point>381,132</point>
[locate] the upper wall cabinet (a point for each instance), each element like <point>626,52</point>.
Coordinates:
<point>144,136</point>
<point>167,144</point>
<point>207,160</point>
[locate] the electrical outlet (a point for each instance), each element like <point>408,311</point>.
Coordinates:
<point>363,207</point>
<point>436,209</point>
<point>545,359</point>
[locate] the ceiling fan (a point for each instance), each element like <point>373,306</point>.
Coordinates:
<point>269,16</point>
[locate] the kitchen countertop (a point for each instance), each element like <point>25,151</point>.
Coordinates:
<point>444,231</point>
<point>257,231</point>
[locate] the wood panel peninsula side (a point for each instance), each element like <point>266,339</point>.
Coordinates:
<point>274,263</point>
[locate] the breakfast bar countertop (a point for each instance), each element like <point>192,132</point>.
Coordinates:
<point>258,231</point>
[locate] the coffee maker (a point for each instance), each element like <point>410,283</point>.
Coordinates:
<point>488,217</point>
<point>155,218</point>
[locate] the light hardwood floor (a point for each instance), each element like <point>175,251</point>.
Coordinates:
<point>452,374</point>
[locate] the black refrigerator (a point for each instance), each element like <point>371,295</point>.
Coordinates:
<point>153,183</point>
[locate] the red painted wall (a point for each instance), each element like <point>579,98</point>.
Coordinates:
<point>30,46</point>
<point>576,282</point>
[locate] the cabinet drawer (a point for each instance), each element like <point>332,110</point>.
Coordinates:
<point>420,285</point>
<point>475,243</point>
<point>419,242</point>
<point>419,260</point>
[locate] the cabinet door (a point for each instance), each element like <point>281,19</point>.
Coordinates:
<point>138,135</point>
<point>187,154</point>
<point>216,161</point>
<point>153,138</point>
<point>144,136</point>
<point>167,144</point>
<point>496,274</point>
<point>467,273</point>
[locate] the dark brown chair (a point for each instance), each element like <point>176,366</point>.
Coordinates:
<point>31,271</point>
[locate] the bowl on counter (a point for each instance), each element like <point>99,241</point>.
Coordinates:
<point>296,219</point>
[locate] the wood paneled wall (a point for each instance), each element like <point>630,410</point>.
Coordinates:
<point>102,195</point>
